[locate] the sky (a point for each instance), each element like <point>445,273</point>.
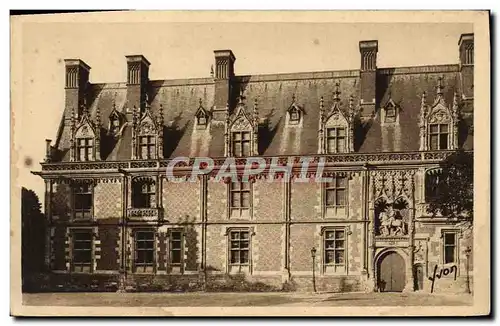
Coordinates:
<point>184,50</point>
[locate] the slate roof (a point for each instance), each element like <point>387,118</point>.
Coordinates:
<point>181,98</point>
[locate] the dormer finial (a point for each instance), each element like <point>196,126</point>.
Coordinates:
<point>439,88</point>
<point>336,93</point>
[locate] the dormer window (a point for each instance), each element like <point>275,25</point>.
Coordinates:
<point>84,149</point>
<point>335,140</point>
<point>241,143</point>
<point>294,116</point>
<point>201,117</point>
<point>148,136</point>
<point>241,132</point>
<point>85,139</point>
<point>439,122</point>
<point>438,136</point>
<point>294,113</point>
<point>147,147</point>
<point>202,120</point>
<point>336,126</point>
<point>390,113</point>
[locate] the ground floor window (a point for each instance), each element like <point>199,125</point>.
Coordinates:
<point>81,260</point>
<point>144,254</point>
<point>334,250</point>
<point>176,251</point>
<point>449,247</point>
<point>239,250</point>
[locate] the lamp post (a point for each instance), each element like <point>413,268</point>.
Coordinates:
<point>313,255</point>
<point>467,282</point>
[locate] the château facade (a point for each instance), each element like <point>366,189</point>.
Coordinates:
<point>379,134</point>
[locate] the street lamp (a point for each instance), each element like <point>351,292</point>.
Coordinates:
<point>313,255</point>
<point>467,282</point>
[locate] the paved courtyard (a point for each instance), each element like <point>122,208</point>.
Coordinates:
<point>202,299</point>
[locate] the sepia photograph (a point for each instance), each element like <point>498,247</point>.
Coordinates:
<point>250,163</point>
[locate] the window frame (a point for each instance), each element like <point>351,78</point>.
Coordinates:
<point>176,268</point>
<point>149,145</point>
<point>239,267</point>
<point>91,241</point>
<point>140,198</point>
<point>240,209</point>
<point>455,246</point>
<point>335,211</point>
<point>87,214</point>
<point>439,133</point>
<point>336,138</point>
<point>242,142</point>
<point>334,268</point>
<point>87,147</point>
<point>294,119</point>
<point>147,268</point>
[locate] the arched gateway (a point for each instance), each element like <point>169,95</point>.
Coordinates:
<point>391,272</point>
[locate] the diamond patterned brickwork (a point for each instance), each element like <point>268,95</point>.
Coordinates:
<point>61,202</point>
<point>216,248</point>
<point>355,194</point>
<point>192,247</point>
<point>305,202</point>
<point>354,248</point>
<point>59,247</point>
<point>107,200</point>
<point>181,201</point>
<point>267,248</point>
<point>302,238</point>
<point>216,201</point>
<point>268,201</point>
<point>109,256</point>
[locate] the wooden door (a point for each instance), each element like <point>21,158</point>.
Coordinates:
<point>391,273</point>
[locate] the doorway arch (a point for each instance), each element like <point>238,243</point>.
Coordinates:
<point>391,272</point>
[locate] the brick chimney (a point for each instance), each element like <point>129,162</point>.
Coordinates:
<point>224,73</point>
<point>368,75</point>
<point>466,50</point>
<point>77,79</point>
<point>137,81</point>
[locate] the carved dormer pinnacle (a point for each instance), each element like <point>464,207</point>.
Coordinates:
<point>98,118</point>
<point>336,93</point>
<point>352,110</point>
<point>73,121</point>
<point>455,107</point>
<point>161,119</point>
<point>134,116</point>
<point>241,98</point>
<point>256,112</point>
<point>321,109</point>
<point>439,87</point>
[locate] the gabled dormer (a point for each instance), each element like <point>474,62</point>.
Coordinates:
<point>116,122</point>
<point>202,117</point>
<point>295,114</point>
<point>439,122</point>
<point>336,126</point>
<point>241,134</point>
<point>85,136</point>
<point>389,114</point>
<point>147,134</point>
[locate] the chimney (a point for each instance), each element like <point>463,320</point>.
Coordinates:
<point>368,74</point>
<point>466,50</point>
<point>224,73</point>
<point>77,79</point>
<point>137,82</point>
